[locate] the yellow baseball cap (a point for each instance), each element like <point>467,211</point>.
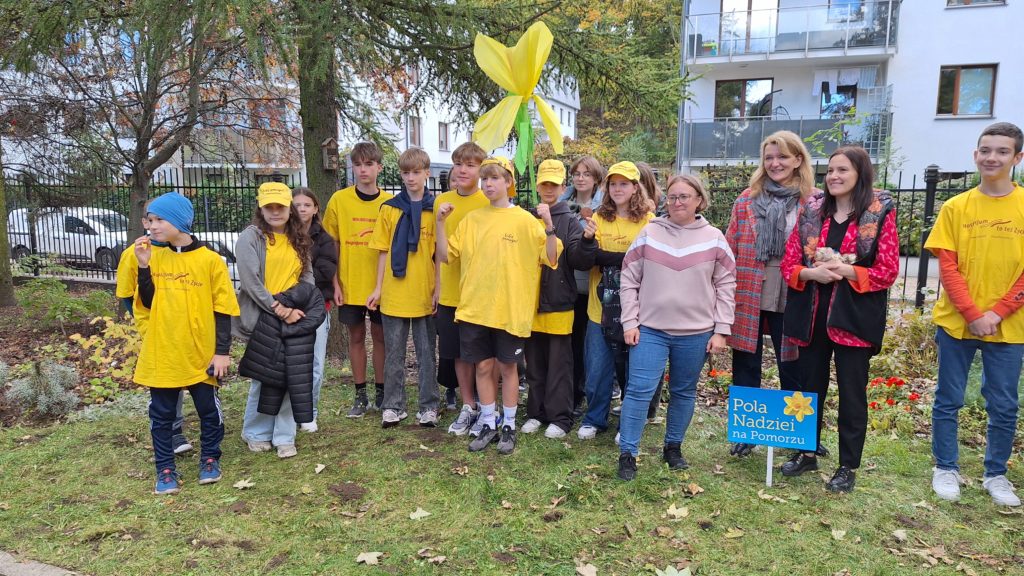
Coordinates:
<point>507,165</point>
<point>274,193</point>
<point>626,169</point>
<point>552,171</point>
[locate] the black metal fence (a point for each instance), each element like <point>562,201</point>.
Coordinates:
<point>81,228</point>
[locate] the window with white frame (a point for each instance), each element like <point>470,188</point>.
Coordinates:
<point>443,136</point>
<point>415,131</point>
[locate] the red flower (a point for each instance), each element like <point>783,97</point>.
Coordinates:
<point>914,396</point>
<point>713,373</point>
<point>890,401</point>
<point>899,382</point>
<point>891,381</point>
<point>874,406</point>
<point>877,381</point>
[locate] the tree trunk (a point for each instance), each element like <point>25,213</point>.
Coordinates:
<point>138,196</point>
<point>318,112</point>
<point>6,280</point>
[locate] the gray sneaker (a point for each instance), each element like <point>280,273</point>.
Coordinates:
<point>392,418</point>
<point>946,484</point>
<point>477,425</point>
<point>1001,491</point>
<point>358,407</point>
<point>427,418</point>
<point>467,418</point>
<point>507,441</point>
<point>486,436</point>
<point>180,444</point>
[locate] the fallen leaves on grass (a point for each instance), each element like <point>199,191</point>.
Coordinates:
<point>961,567</point>
<point>419,514</point>
<point>734,533</point>
<point>431,556</point>
<point>770,497</point>
<point>306,489</point>
<point>555,502</point>
<point>677,513</point>
<point>506,504</point>
<point>900,535</point>
<point>369,558</point>
<point>838,534</point>
<point>692,489</point>
<point>460,470</point>
<point>586,570</point>
<point>244,484</point>
<point>720,470</point>
<point>5,506</point>
<point>672,571</point>
<point>923,504</point>
<point>663,532</point>
<point>424,448</point>
<point>319,468</point>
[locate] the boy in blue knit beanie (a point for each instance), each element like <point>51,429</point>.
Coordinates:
<point>190,298</point>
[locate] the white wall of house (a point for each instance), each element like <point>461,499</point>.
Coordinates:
<point>932,36</point>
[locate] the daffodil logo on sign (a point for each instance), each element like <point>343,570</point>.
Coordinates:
<point>798,406</point>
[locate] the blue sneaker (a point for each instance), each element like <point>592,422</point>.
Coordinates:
<point>209,470</point>
<point>167,482</point>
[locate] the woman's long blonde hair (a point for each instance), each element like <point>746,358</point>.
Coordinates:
<point>788,143</point>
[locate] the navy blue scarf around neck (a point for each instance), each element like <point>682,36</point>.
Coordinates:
<point>407,232</point>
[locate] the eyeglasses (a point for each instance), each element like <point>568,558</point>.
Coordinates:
<point>581,174</point>
<point>680,199</point>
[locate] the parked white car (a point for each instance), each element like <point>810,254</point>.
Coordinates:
<point>83,235</point>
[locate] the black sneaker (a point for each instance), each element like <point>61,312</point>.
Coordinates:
<point>486,436</point>
<point>378,396</point>
<point>577,410</point>
<point>180,444</point>
<point>672,456</point>
<point>741,450</point>
<point>507,441</point>
<point>359,406</point>
<point>627,466</point>
<point>842,481</point>
<point>451,399</point>
<point>822,452</point>
<point>799,463</point>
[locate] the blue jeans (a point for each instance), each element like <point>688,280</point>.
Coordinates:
<point>279,430</point>
<point>600,366</point>
<point>685,355</point>
<point>319,360</point>
<point>1001,365</point>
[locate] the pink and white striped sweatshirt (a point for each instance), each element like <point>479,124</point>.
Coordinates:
<point>679,279</point>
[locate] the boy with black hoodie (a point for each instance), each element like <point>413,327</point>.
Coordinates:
<point>549,356</point>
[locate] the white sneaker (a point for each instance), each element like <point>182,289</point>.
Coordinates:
<point>553,431</point>
<point>1001,491</point>
<point>946,484</point>
<point>286,451</point>
<point>531,426</point>
<point>392,417</point>
<point>309,427</point>
<point>462,424</point>
<point>617,436</point>
<point>586,432</point>
<point>427,418</point>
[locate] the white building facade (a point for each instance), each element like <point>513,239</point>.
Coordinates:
<point>924,76</point>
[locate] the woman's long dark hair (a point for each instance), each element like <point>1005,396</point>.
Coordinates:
<point>294,230</point>
<point>863,192</point>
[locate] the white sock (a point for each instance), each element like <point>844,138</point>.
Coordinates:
<point>487,415</point>
<point>510,416</point>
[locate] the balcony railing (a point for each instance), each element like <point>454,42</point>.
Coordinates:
<point>840,26</point>
<point>740,138</point>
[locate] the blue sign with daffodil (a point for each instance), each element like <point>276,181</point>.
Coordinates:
<point>773,417</point>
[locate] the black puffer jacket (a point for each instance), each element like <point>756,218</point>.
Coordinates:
<point>558,287</point>
<point>325,259</point>
<point>280,355</point>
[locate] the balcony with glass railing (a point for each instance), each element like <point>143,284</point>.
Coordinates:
<point>862,27</point>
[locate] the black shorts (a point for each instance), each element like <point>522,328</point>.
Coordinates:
<point>352,315</point>
<point>447,333</point>
<point>479,343</point>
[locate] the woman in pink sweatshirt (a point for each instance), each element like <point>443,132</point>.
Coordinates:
<point>678,294</point>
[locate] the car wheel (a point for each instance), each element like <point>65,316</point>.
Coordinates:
<point>105,259</point>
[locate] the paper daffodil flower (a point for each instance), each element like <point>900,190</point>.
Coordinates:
<point>517,70</point>
<point>798,406</point>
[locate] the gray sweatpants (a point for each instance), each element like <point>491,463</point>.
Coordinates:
<point>396,335</point>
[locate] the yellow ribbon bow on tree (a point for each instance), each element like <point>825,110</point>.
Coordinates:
<point>517,70</point>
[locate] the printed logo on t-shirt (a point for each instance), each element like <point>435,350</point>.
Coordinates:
<point>509,237</point>
<point>181,278</point>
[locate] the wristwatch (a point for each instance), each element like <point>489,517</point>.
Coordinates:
<point>549,231</point>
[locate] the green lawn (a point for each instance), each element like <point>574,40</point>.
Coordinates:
<point>78,495</point>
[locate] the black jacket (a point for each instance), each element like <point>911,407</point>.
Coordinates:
<point>280,355</point>
<point>325,259</point>
<point>558,287</point>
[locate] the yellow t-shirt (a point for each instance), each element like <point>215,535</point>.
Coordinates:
<point>282,267</point>
<point>450,270</point>
<point>611,237</point>
<point>350,222</point>
<point>987,235</point>
<point>500,251</point>
<point>181,340</point>
<point>127,286</point>
<point>557,323</point>
<point>413,295</point>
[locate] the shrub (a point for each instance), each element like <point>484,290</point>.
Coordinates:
<point>909,347</point>
<point>892,405</point>
<point>114,350</point>
<point>47,389</point>
<point>47,301</point>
